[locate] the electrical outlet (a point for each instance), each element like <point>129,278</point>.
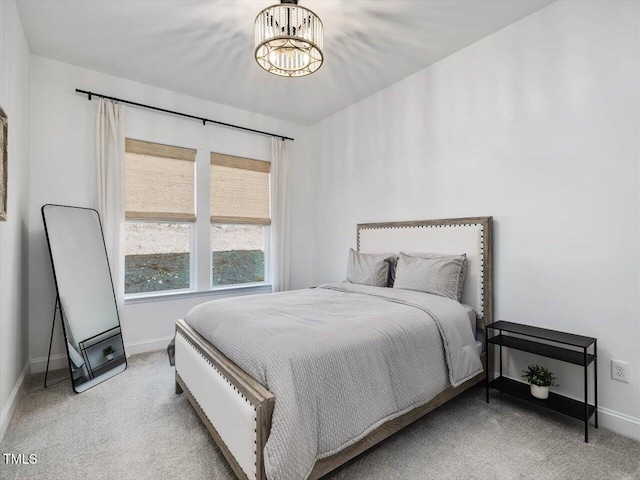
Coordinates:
<point>620,370</point>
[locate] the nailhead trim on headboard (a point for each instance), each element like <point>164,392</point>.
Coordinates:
<point>409,225</point>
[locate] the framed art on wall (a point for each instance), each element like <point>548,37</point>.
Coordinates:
<point>3,165</point>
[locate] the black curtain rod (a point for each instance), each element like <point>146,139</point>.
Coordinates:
<point>180,114</point>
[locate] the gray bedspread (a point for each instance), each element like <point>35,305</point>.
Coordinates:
<point>340,359</point>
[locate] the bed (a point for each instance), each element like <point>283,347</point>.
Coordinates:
<point>363,367</point>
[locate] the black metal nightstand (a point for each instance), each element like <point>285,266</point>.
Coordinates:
<point>574,408</point>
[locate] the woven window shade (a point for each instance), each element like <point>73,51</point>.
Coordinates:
<point>160,182</point>
<point>239,190</point>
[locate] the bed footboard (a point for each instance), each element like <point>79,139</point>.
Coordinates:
<point>234,407</point>
<point>237,410</point>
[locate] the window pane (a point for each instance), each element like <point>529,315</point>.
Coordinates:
<point>238,254</point>
<point>156,256</point>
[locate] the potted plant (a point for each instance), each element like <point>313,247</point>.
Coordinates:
<point>540,379</point>
<point>108,352</point>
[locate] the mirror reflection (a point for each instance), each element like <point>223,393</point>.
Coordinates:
<point>86,298</point>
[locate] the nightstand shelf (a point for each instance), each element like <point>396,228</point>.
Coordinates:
<point>542,349</point>
<point>559,403</point>
<point>536,343</point>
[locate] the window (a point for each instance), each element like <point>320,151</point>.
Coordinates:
<point>159,212</point>
<point>166,247</point>
<point>240,215</point>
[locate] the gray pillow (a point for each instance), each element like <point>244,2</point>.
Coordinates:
<point>432,273</point>
<point>369,269</point>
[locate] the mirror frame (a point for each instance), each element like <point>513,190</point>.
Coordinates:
<point>55,279</point>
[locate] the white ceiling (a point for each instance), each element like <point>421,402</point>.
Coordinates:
<point>205,48</point>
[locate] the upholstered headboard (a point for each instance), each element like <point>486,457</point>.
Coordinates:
<point>472,236</point>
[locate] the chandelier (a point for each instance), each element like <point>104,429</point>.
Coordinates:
<point>289,40</point>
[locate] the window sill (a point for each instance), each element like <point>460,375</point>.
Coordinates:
<point>217,292</point>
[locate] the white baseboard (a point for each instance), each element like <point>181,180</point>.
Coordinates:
<point>619,422</point>
<point>12,403</point>
<point>39,365</point>
<point>151,345</point>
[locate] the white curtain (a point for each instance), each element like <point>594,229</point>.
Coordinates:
<point>110,188</point>
<point>280,211</point>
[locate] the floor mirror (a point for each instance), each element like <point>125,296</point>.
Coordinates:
<point>85,300</point>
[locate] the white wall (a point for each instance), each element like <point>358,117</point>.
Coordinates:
<point>63,171</point>
<point>14,99</point>
<point>537,125</point>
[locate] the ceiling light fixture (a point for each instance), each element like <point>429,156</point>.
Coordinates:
<point>289,40</point>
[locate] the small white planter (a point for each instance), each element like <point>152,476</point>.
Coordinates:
<point>540,392</point>
<point>110,357</point>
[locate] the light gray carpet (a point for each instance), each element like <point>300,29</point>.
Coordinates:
<point>135,427</point>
